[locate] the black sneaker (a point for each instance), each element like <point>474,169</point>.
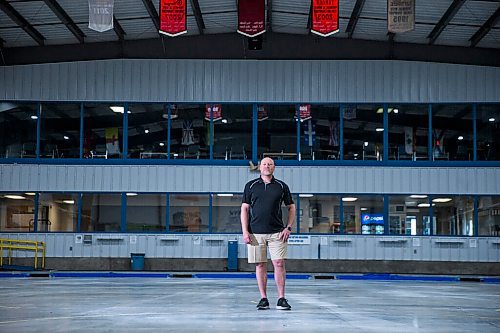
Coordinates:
<point>263,304</point>
<point>283,304</point>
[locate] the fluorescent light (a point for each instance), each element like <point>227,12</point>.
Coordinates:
<point>306,195</point>
<point>460,138</point>
<point>491,119</point>
<point>423,205</point>
<point>34,117</point>
<point>66,137</point>
<point>117,109</point>
<point>224,194</point>
<point>349,199</point>
<point>69,202</point>
<point>380,110</point>
<point>30,193</point>
<point>418,196</point>
<point>440,200</point>
<point>379,129</point>
<point>15,197</point>
<point>162,144</point>
<point>363,208</point>
<point>131,194</point>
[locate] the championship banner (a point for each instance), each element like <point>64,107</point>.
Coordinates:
<point>304,112</point>
<point>325,17</point>
<point>400,15</point>
<point>112,142</point>
<point>261,113</point>
<point>101,15</point>
<point>173,14</point>
<point>251,17</point>
<point>216,112</point>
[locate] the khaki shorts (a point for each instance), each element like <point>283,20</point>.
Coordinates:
<point>257,249</point>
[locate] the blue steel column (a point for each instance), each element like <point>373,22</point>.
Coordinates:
<point>341,207</point>
<point>210,202</point>
<point>385,139</point>
<point>429,136</point>
<point>341,132</point>
<point>81,131</point>
<point>167,213</point>
<point>254,133</point>
<point>297,215</point>
<point>474,131</point>
<point>35,217</point>
<point>297,114</point>
<point>431,217</point>
<point>79,216</point>
<point>211,133</point>
<point>123,223</point>
<point>125,131</point>
<point>169,112</point>
<point>38,130</point>
<point>386,215</point>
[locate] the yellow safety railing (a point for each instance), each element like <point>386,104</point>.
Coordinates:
<point>14,244</point>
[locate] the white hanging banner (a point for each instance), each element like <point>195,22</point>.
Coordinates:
<point>101,15</point>
<point>400,15</point>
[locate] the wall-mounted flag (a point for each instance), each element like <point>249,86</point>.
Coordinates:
<point>310,133</point>
<point>187,133</point>
<point>251,17</point>
<point>173,17</point>
<point>261,113</point>
<point>216,111</point>
<point>400,16</point>
<point>325,17</point>
<point>101,15</point>
<point>304,112</point>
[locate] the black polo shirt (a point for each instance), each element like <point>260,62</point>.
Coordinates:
<point>265,202</point>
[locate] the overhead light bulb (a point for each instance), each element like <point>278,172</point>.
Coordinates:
<point>131,194</point>
<point>441,200</point>
<point>66,137</point>
<point>34,117</point>
<point>69,202</point>
<point>460,138</point>
<point>224,121</point>
<point>491,119</point>
<point>379,129</point>
<point>224,194</point>
<point>15,197</point>
<point>146,131</point>
<point>349,199</point>
<point>161,144</point>
<point>30,193</point>
<point>306,195</point>
<point>396,110</point>
<point>418,196</point>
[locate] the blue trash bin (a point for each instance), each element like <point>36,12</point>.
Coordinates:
<point>137,261</point>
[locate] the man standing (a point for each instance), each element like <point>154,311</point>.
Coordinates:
<point>263,227</point>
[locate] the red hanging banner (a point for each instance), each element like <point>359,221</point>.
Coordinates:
<point>216,112</point>
<point>251,17</point>
<point>325,17</point>
<point>173,17</point>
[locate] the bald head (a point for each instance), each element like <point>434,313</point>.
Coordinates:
<point>266,167</point>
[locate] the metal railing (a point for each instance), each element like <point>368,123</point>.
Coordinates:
<point>14,244</point>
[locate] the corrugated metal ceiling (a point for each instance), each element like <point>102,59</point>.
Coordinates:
<point>288,16</point>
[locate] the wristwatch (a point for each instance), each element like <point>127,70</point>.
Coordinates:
<point>289,228</point>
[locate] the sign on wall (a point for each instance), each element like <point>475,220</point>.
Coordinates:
<point>173,17</point>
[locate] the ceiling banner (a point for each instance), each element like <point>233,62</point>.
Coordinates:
<point>173,17</point>
<point>101,15</point>
<point>400,16</point>
<point>251,17</point>
<point>216,110</point>
<point>325,17</point>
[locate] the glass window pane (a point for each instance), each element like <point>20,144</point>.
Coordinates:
<point>57,212</point>
<point>226,210</point>
<point>190,132</point>
<point>17,212</point>
<point>363,132</point>
<point>452,132</point>
<point>146,212</point>
<point>101,212</point>
<point>409,215</point>
<point>363,213</point>
<point>60,131</point>
<point>489,216</point>
<point>147,131</point>
<point>18,130</point>
<point>408,132</point>
<point>233,133</point>
<point>488,132</point>
<point>277,134</point>
<point>103,130</point>
<point>188,213</point>
<point>454,215</point>
<point>319,136</point>
<point>319,213</point>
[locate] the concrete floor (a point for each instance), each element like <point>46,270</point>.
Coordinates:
<point>225,305</point>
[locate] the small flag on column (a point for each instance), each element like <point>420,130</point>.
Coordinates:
<point>310,133</point>
<point>261,113</point>
<point>101,15</point>
<point>304,112</point>
<point>400,16</point>
<point>325,17</point>
<point>251,17</point>
<point>173,17</point>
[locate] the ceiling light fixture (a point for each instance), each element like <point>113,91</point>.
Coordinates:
<point>491,119</point>
<point>349,199</point>
<point>441,200</point>
<point>30,193</point>
<point>306,195</point>
<point>224,194</point>
<point>117,109</point>
<point>379,129</point>
<point>460,138</point>
<point>34,117</point>
<point>15,197</point>
<point>131,194</point>
<point>418,196</point>
<point>69,202</point>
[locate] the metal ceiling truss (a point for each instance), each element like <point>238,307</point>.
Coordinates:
<point>21,21</point>
<point>195,5</point>
<point>483,31</point>
<point>269,25</point>
<point>356,13</point>
<point>65,19</point>
<point>152,13</point>
<point>443,22</point>
<point>120,33</point>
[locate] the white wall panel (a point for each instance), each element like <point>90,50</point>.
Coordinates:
<point>161,80</point>
<point>183,178</point>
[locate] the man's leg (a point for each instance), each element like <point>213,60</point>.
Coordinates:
<point>261,274</point>
<point>280,276</point>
